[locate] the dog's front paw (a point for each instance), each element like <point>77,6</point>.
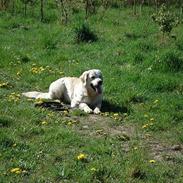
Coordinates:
<point>88,110</point>
<point>96,111</point>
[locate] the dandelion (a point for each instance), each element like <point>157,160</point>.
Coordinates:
<point>14,145</point>
<point>16,170</point>
<point>4,85</point>
<point>115,114</point>
<point>69,123</point>
<point>81,157</point>
<point>156,101</point>
<point>145,115</point>
<point>44,122</point>
<point>93,169</point>
<point>145,126</point>
<point>152,161</point>
<point>14,97</point>
<point>37,70</point>
<point>18,73</point>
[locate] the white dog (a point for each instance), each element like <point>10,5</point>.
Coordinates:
<point>84,92</point>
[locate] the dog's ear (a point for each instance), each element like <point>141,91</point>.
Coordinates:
<point>84,77</point>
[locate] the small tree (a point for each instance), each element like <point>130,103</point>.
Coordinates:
<point>166,20</point>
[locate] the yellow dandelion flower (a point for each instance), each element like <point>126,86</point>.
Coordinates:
<point>145,115</point>
<point>115,114</point>
<point>44,122</point>
<point>18,172</point>
<point>93,169</point>
<point>18,73</point>
<point>14,170</point>
<point>14,145</point>
<point>82,156</point>
<point>156,101</point>
<point>152,161</point>
<point>69,123</point>
<point>145,126</point>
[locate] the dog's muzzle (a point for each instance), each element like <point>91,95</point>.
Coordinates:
<point>97,88</point>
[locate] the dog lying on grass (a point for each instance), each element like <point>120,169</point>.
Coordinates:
<point>84,92</point>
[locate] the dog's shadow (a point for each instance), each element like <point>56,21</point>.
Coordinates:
<point>111,107</point>
<point>106,106</point>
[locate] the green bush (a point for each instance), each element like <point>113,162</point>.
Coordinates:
<point>166,20</point>
<point>84,33</point>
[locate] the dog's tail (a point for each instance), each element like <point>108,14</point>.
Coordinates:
<point>36,95</point>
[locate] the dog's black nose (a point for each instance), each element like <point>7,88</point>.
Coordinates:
<point>100,82</point>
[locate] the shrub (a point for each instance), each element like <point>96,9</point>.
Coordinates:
<point>166,20</point>
<point>83,33</point>
<point>169,61</point>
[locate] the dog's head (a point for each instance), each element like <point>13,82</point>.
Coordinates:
<point>93,80</point>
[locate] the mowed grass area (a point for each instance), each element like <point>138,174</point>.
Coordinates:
<point>139,135</point>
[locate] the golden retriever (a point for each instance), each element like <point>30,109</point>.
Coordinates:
<point>84,92</point>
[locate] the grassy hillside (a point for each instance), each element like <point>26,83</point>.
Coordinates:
<point>139,135</point>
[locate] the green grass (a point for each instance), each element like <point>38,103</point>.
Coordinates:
<point>142,84</point>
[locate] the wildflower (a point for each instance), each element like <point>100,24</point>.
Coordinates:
<point>69,123</point>
<point>65,112</point>
<point>50,114</point>
<point>81,157</point>
<point>18,73</point>
<point>115,114</point>
<point>152,119</point>
<point>156,101</point>
<point>44,122</point>
<point>14,145</point>
<point>37,70</point>
<point>145,115</point>
<point>93,169</point>
<point>152,161</point>
<point>3,85</point>
<point>14,97</point>
<point>16,170</point>
<point>145,126</point>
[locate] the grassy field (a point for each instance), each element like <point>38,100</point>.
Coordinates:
<point>139,135</point>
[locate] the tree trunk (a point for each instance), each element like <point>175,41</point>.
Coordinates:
<point>25,8</point>
<point>134,7</point>
<point>42,10</point>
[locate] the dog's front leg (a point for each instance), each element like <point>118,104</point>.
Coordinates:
<point>84,107</point>
<point>97,109</point>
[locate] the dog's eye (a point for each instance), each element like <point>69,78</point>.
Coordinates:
<point>93,77</point>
